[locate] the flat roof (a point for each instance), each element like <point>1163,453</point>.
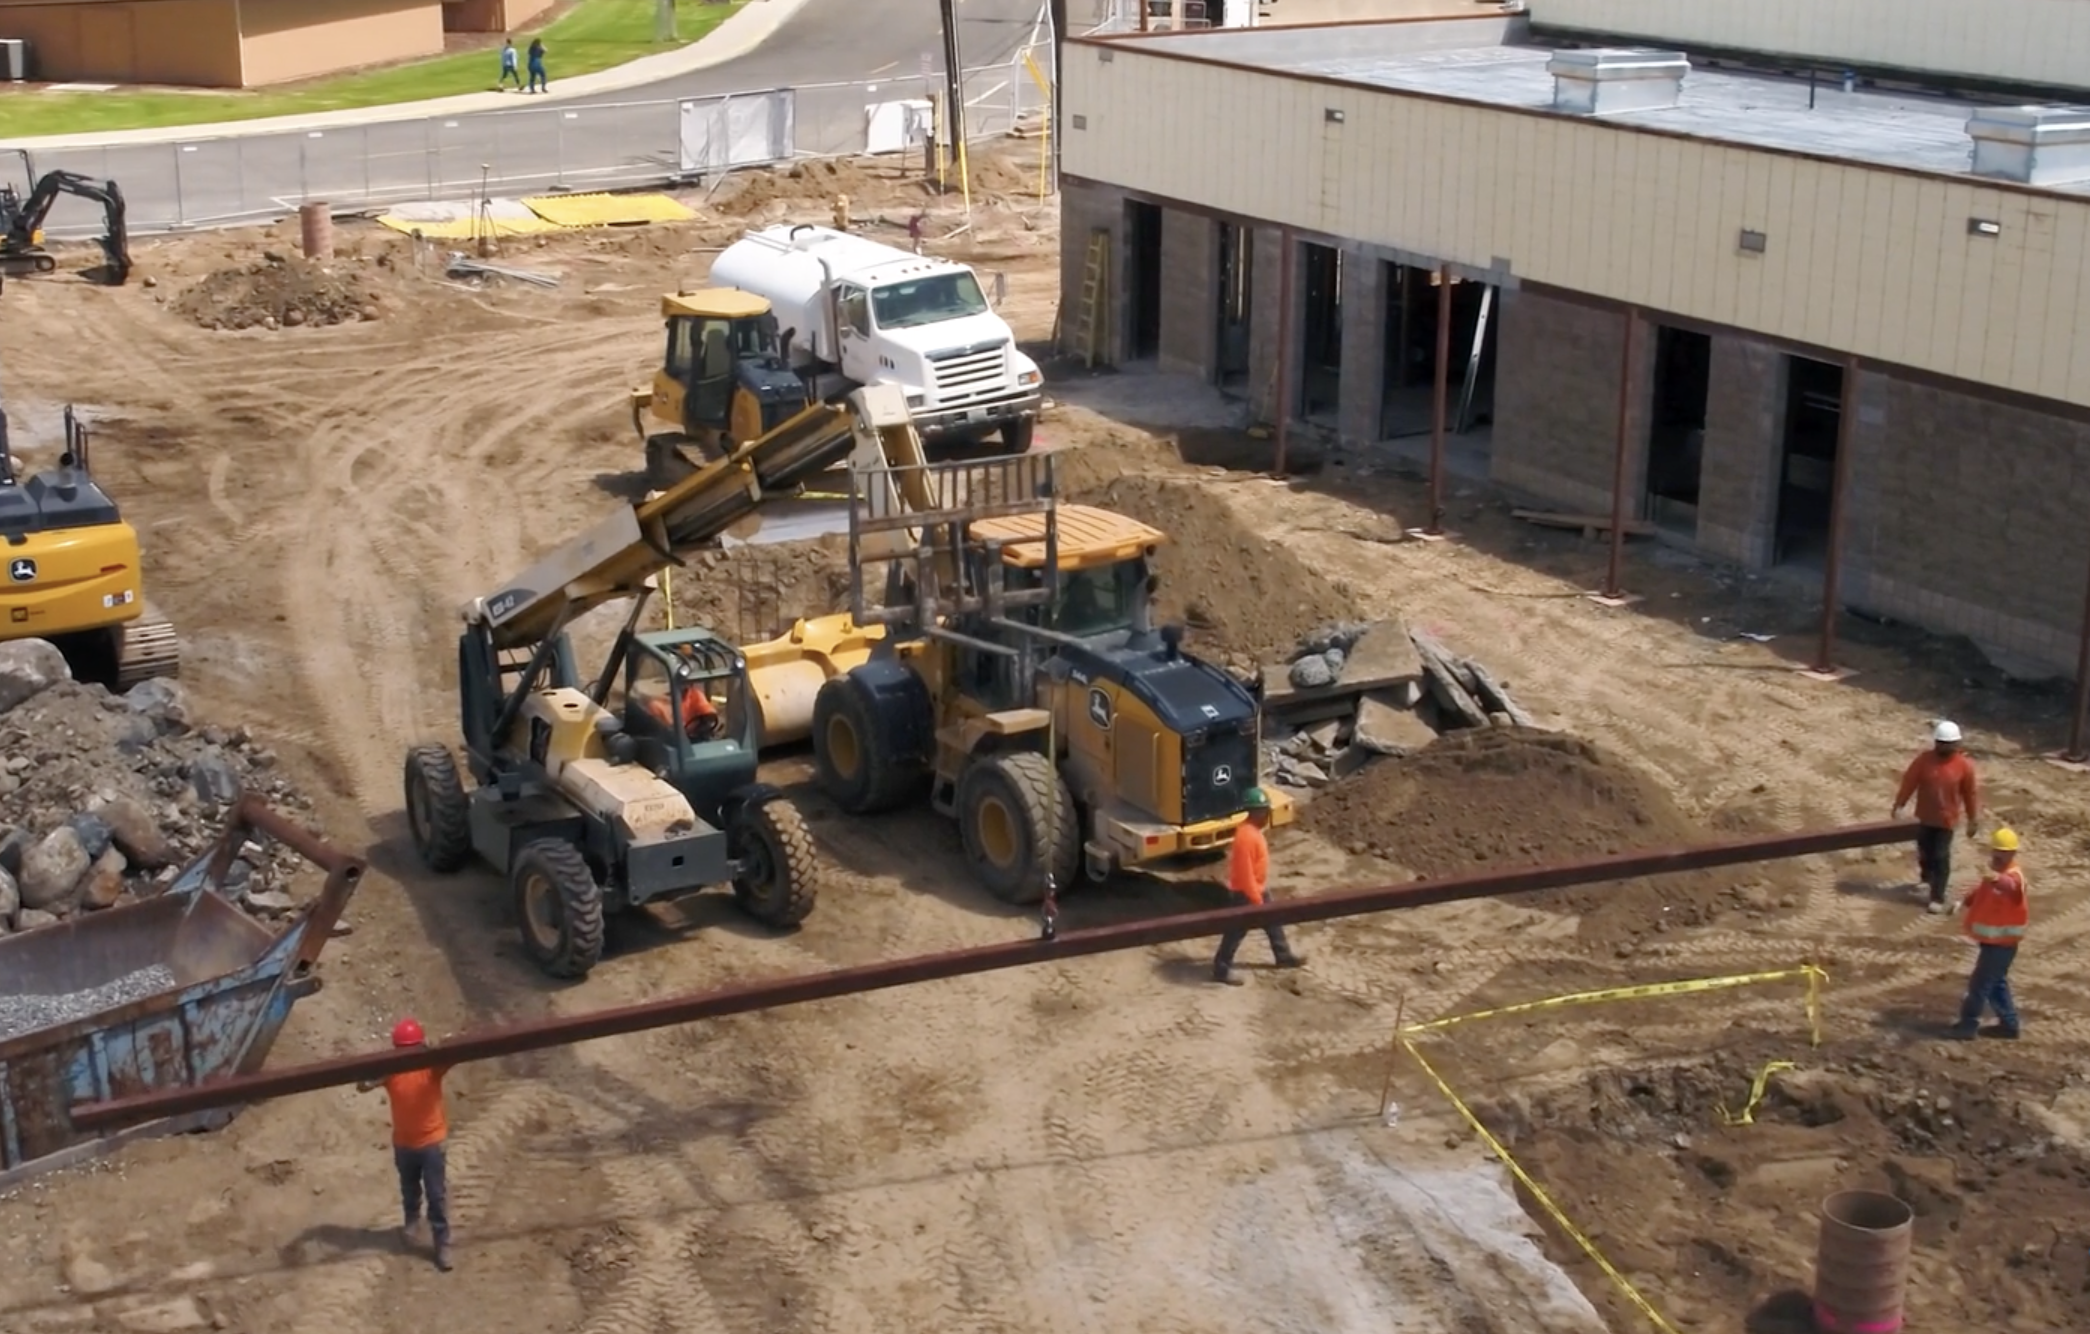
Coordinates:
<point>1751,110</point>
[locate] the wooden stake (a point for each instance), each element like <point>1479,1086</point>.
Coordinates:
<point>1393,1053</point>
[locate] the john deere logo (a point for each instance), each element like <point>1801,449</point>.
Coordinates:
<point>1099,709</point>
<point>1223,776</point>
<point>21,569</point>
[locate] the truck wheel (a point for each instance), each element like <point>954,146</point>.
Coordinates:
<point>1011,809</point>
<point>559,904</point>
<point>437,810</point>
<point>854,769</point>
<point>781,881</point>
<point>1016,434</point>
<point>666,463</point>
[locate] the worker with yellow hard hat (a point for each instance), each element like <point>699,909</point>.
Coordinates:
<point>1993,917</point>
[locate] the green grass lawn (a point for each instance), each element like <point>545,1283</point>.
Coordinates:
<point>593,35</point>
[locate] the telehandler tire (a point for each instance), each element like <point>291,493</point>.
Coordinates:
<point>782,881</point>
<point>437,810</point>
<point>854,770</point>
<point>1011,809</point>
<point>559,906</point>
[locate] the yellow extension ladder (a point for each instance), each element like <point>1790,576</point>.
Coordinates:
<point>1088,327</point>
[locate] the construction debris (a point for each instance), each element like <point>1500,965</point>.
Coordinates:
<point>1371,690</point>
<point>463,266</point>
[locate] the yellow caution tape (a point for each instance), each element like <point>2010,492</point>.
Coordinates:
<point>1814,975</point>
<point>1538,1193</point>
<point>1747,1116</point>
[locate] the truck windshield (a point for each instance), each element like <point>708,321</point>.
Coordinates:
<point>930,300</point>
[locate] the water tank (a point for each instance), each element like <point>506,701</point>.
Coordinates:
<point>783,265</point>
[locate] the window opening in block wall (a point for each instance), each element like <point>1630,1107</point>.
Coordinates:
<point>1236,291</point>
<point>1807,462</point>
<point>1143,280</point>
<point>1320,331</point>
<point>1682,379</point>
<point>1410,343</point>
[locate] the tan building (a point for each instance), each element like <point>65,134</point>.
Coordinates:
<point>1820,284</point>
<point>240,43</point>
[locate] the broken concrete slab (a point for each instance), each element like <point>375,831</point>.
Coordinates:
<point>1384,657</point>
<point>1385,727</point>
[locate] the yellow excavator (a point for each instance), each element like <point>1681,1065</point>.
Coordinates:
<point>73,570</point>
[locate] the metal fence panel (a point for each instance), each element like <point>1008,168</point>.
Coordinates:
<point>737,130</point>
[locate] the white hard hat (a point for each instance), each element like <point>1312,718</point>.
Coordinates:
<point>1946,732</point>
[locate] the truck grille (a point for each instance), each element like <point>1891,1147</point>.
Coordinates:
<point>969,372</point>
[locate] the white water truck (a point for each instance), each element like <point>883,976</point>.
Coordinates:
<point>855,312</point>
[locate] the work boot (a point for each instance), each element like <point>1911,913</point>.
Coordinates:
<point>1965,1030</point>
<point>442,1257</point>
<point>1292,961</point>
<point>2007,1032</point>
<point>1935,908</point>
<point>414,1234</point>
<point>1228,977</point>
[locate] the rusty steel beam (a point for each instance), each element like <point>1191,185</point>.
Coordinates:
<point>1440,389</point>
<point>1616,556</point>
<point>1839,497</point>
<point>983,959</point>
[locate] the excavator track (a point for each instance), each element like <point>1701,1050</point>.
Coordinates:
<point>148,648</point>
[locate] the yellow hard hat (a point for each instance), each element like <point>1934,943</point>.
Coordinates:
<point>2003,840</point>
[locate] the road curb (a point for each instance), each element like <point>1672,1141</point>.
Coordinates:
<point>738,36</point>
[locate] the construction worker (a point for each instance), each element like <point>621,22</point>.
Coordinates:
<point>699,715</point>
<point>419,1129</point>
<point>1993,916</point>
<point>1943,783</point>
<point>1247,876</point>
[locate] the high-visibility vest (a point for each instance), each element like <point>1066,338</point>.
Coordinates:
<point>1994,917</point>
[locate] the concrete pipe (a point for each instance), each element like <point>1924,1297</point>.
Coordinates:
<point>316,229</point>
<point>1861,1267</point>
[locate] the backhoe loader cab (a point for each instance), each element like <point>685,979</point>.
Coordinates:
<point>724,380</point>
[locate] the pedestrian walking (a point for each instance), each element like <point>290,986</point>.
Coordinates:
<point>1994,916</point>
<point>1247,879</point>
<point>538,83</point>
<point>419,1130</point>
<point>1943,782</point>
<point>508,66</point>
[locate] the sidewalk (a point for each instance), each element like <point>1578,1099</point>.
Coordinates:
<point>740,34</point>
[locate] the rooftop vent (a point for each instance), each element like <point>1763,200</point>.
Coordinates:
<point>1598,83</point>
<point>2035,145</point>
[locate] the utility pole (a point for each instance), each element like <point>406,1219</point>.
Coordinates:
<point>954,81</point>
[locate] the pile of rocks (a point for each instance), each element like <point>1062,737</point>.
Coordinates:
<point>1353,691</point>
<point>103,797</point>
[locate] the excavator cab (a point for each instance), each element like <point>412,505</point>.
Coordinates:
<point>724,380</point>
<point>23,213</point>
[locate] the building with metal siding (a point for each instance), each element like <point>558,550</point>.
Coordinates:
<point>1759,236</point>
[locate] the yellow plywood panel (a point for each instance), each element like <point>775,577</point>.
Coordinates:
<point>608,210</point>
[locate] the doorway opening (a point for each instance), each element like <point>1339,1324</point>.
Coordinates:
<point>1320,331</point>
<point>1807,464</point>
<point>1143,281</point>
<point>1409,377</point>
<point>1676,427</point>
<point>1236,290</point>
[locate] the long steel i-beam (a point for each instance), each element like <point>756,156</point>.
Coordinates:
<point>961,963</point>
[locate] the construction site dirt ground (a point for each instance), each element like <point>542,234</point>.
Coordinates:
<point>1112,1143</point>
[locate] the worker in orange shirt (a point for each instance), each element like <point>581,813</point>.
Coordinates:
<point>699,714</point>
<point>419,1129</point>
<point>1247,877</point>
<point>1942,781</point>
<point>1994,916</point>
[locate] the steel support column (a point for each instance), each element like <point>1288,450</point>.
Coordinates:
<point>1618,462</point>
<point>984,959</point>
<point>1440,390</point>
<point>1283,396</point>
<point>1839,486</point>
<point>2078,744</point>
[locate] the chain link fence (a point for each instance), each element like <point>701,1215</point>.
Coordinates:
<point>212,182</point>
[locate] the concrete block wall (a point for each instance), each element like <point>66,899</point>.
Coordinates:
<point>1744,438</point>
<point>1083,208</point>
<point>1364,349</point>
<point>1189,293</point>
<point>1556,403</point>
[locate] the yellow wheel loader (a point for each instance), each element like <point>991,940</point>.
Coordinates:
<point>73,572</point>
<point>724,380</point>
<point>1013,676</point>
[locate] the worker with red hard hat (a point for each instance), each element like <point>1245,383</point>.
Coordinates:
<point>419,1129</point>
<point>1943,782</point>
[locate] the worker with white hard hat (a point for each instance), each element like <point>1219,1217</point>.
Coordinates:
<point>1943,782</point>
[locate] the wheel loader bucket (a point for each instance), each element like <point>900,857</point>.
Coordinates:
<point>785,674</point>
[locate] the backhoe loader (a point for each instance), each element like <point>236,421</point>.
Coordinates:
<point>73,570</point>
<point>1014,677</point>
<point>596,795</point>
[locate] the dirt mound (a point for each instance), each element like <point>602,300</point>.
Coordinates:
<point>1495,798</point>
<point>1646,1160</point>
<point>752,593</point>
<point>279,291</point>
<point>1245,598</point>
<point>869,187</point>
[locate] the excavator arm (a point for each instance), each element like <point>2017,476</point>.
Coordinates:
<point>22,220</point>
<point>616,557</point>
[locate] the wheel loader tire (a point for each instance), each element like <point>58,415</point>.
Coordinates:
<point>559,905</point>
<point>782,881</point>
<point>666,461</point>
<point>1016,434</point>
<point>437,810</point>
<point>1011,809</point>
<point>855,770</point>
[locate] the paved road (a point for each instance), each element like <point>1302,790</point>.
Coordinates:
<point>628,137</point>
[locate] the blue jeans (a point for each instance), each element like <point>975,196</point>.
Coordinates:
<point>419,1170</point>
<point>537,79</point>
<point>1990,987</point>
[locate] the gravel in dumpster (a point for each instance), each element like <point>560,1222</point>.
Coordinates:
<point>27,1014</point>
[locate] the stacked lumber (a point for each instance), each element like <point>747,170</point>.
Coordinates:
<point>1354,692</point>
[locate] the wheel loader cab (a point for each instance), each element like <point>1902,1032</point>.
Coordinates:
<point>685,707</point>
<point>724,374</point>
